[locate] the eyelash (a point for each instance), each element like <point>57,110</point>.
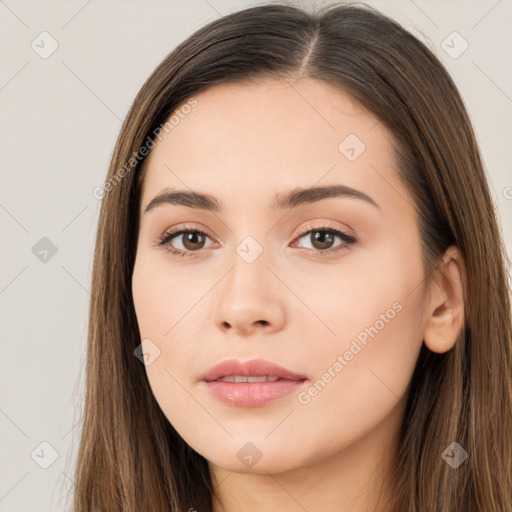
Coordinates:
<point>164,240</point>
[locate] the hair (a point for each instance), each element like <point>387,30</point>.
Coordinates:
<point>130,457</point>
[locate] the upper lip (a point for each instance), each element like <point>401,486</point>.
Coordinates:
<point>252,368</point>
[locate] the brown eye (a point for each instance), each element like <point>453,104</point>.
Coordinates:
<point>322,239</point>
<point>193,240</point>
<point>185,241</point>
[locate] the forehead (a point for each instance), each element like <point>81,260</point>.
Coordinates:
<point>246,138</point>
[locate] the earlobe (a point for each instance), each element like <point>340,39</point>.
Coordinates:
<point>445,311</point>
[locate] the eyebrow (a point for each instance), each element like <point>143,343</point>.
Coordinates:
<point>287,200</point>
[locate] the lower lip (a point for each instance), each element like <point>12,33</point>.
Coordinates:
<point>252,394</point>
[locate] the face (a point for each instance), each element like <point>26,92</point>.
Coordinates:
<point>328,285</point>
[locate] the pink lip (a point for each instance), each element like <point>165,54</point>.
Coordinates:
<point>251,394</point>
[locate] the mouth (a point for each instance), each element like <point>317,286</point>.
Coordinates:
<point>251,384</point>
<point>247,378</point>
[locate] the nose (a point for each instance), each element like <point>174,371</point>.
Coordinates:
<point>250,299</point>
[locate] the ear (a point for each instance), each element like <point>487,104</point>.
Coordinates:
<point>445,311</point>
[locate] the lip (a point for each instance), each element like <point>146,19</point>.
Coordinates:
<point>251,394</point>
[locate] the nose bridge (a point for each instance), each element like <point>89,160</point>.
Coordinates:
<point>250,250</point>
<point>251,240</point>
<point>249,266</point>
<point>249,295</point>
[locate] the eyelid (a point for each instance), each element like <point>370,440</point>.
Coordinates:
<point>322,225</point>
<point>176,231</point>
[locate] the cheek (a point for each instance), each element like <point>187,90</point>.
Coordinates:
<point>147,297</point>
<point>167,308</point>
<point>362,375</point>
<point>372,314</point>
<point>164,296</point>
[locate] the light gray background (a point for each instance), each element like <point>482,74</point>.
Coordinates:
<point>60,117</point>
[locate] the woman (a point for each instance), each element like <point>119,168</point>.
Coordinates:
<point>231,366</point>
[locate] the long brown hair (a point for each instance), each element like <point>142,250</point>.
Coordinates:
<point>130,457</point>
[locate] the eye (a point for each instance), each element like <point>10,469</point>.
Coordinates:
<point>322,239</point>
<point>193,240</point>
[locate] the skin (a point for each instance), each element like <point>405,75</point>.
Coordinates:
<point>244,143</point>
